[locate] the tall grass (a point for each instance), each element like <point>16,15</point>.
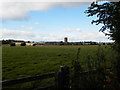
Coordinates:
<point>102,78</point>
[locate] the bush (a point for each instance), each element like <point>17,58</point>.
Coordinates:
<point>34,44</point>
<point>12,44</point>
<point>23,44</point>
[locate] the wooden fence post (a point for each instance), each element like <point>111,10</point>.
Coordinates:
<point>63,78</point>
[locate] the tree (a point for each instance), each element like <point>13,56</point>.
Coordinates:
<point>28,42</point>
<point>108,14</point>
<point>61,43</point>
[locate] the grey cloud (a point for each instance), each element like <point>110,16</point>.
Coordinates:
<point>20,10</point>
<point>34,36</point>
<point>108,0</point>
<point>48,0</point>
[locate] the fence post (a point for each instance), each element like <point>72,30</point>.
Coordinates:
<point>63,78</point>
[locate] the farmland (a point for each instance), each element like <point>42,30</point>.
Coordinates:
<point>34,60</point>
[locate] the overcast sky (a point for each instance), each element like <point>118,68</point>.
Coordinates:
<point>48,21</point>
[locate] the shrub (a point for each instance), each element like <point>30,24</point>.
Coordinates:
<point>23,44</point>
<point>34,44</point>
<point>12,44</point>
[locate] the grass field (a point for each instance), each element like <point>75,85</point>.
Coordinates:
<point>34,60</point>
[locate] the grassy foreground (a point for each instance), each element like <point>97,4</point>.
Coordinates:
<point>34,60</point>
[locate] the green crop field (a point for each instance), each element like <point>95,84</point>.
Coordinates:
<point>23,61</point>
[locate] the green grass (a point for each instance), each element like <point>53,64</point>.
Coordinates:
<point>0,63</point>
<point>34,60</point>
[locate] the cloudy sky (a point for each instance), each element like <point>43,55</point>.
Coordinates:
<point>36,20</point>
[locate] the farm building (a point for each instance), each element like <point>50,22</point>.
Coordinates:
<point>29,44</point>
<point>17,43</point>
<point>39,43</point>
<point>52,43</point>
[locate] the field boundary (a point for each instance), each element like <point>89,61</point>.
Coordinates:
<point>28,79</point>
<point>62,78</point>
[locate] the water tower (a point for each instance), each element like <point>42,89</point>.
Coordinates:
<point>65,40</point>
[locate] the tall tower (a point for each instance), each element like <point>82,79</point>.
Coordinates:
<point>65,40</point>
